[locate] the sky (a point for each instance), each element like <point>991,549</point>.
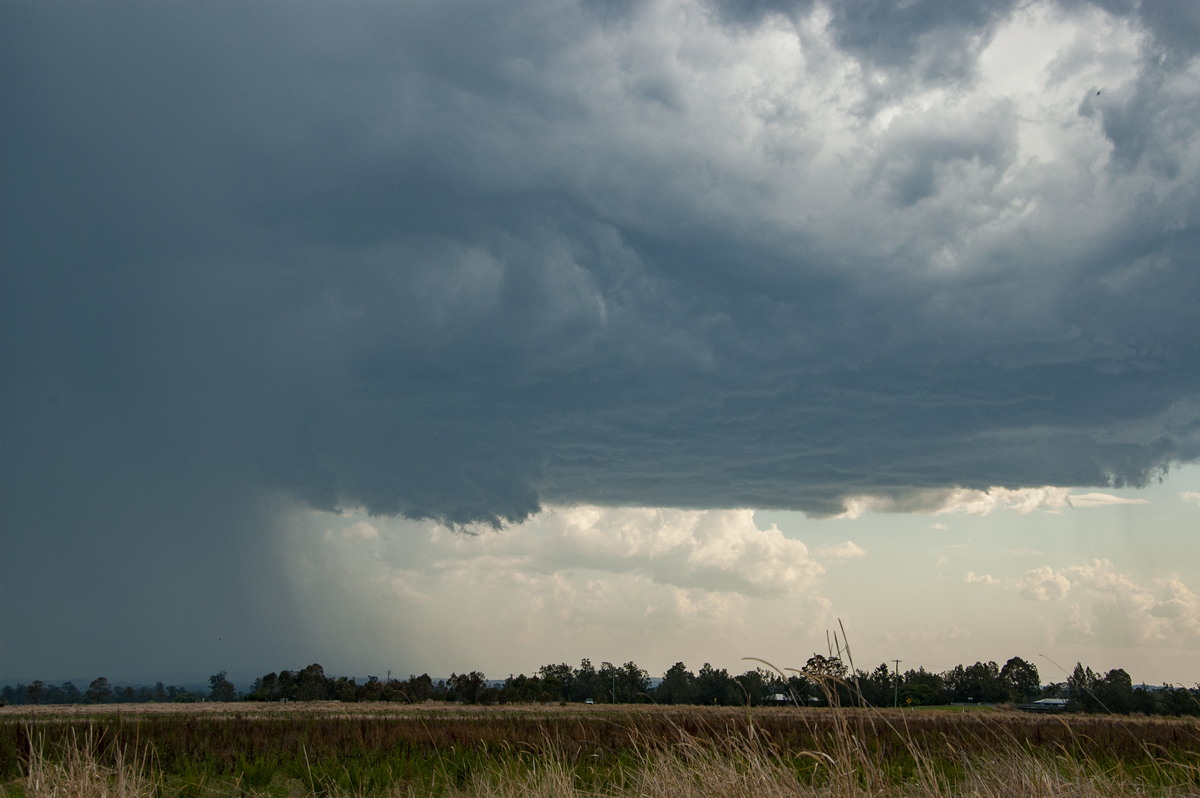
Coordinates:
<point>438,336</point>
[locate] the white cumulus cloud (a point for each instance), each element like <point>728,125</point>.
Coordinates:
<point>966,501</point>
<point>846,550</point>
<point>1043,584</point>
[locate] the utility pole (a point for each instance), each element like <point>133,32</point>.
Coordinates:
<point>896,691</point>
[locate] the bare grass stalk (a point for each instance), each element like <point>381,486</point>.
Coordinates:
<point>78,770</point>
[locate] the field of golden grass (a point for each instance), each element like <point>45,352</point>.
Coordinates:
<point>333,749</point>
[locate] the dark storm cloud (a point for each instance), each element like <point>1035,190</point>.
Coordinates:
<point>933,40</point>
<point>449,261</point>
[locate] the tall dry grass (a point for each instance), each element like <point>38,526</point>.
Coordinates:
<point>739,765</point>
<point>76,771</point>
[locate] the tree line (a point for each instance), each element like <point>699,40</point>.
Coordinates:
<point>102,691</point>
<point>824,680</point>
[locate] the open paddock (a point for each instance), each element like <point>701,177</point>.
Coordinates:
<point>445,749</point>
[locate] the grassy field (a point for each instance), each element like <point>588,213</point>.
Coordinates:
<point>446,750</point>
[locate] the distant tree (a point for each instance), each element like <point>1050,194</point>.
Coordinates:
<point>877,688</point>
<point>606,683</point>
<point>558,681</point>
<point>371,690</point>
<point>1145,702</point>
<point>71,694</point>
<point>585,682</point>
<point>265,688</point>
<point>220,688</point>
<point>922,688</point>
<point>624,685</point>
<point>1179,700</point>
<point>715,686</point>
<point>821,666</point>
<point>1021,679</point>
<point>828,675</point>
<point>419,689</point>
<point>287,685</point>
<point>799,690</point>
<point>466,687</point>
<point>979,682</point>
<point>633,683</point>
<point>520,689</point>
<point>393,690</point>
<point>311,684</point>
<point>1114,692</point>
<point>343,689</point>
<point>35,693</point>
<point>677,686</point>
<point>756,686</point>
<point>1081,689</point>
<point>99,691</point>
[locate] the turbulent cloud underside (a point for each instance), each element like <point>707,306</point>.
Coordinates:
<point>450,261</point>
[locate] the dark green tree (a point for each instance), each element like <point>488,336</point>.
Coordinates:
<point>1114,692</point>
<point>979,683</point>
<point>343,689</point>
<point>312,685</point>
<point>677,686</point>
<point>877,688</point>
<point>585,682</point>
<point>756,686</point>
<point>35,693</point>
<point>371,690</point>
<point>633,683</point>
<point>466,687</point>
<point>99,691</point>
<point>922,688</point>
<point>558,681</point>
<point>715,686</point>
<point>522,689</point>
<point>287,686</point>
<point>1021,680</point>
<point>1081,689</point>
<point>799,690</point>
<point>220,688</point>
<point>419,689</point>
<point>1178,700</point>
<point>265,688</point>
<point>829,677</point>
<point>626,684</point>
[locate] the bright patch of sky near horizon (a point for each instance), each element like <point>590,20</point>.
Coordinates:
<point>1110,580</point>
<point>565,267</point>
